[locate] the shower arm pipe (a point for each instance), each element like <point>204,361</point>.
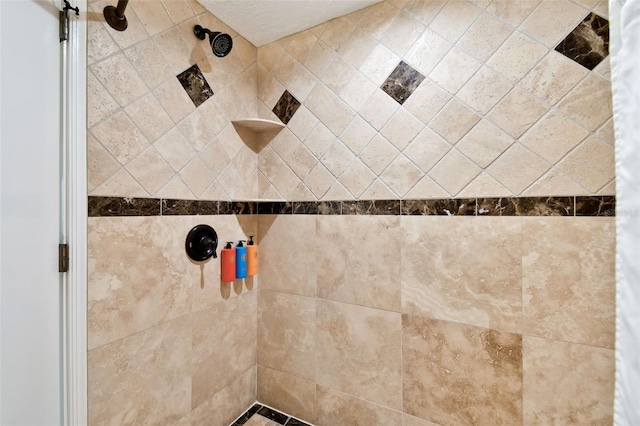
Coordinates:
<point>115,15</point>
<point>121,7</point>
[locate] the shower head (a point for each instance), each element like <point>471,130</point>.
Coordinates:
<point>221,43</point>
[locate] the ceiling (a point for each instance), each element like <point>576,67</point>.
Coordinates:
<point>264,21</point>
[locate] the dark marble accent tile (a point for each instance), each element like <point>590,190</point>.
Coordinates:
<point>402,82</point>
<point>596,206</point>
<point>307,207</point>
<point>195,85</point>
<point>119,206</point>
<point>276,207</point>
<point>246,416</point>
<point>588,43</point>
<point>526,206</point>
<point>296,422</point>
<point>273,415</point>
<point>287,106</point>
<point>172,207</point>
<point>371,207</point>
<point>238,207</point>
<point>330,207</point>
<point>443,207</point>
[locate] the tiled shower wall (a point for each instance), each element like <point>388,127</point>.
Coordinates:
<point>422,320</point>
<point>499,112</point>
<point>169,344</point>
<point>146,136</point>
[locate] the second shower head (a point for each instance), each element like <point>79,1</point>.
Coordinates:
<point>221,43</point>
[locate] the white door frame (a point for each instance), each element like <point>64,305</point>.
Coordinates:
<point>75,300</point>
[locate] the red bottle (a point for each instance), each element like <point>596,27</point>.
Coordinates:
<point>228,263</point>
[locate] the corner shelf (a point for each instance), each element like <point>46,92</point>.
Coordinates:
<point>257,132</point>
<point>258,124</point>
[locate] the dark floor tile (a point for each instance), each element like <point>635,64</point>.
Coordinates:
<point>296,422</point>
<point>246,416</point>
<point>273,415</point>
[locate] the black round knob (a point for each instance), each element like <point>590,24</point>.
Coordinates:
<point>201,243</point>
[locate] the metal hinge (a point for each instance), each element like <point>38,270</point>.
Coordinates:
<point>63,258</point>
<point>64,20</point>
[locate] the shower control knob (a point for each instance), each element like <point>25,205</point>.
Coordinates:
<point>201,243</point>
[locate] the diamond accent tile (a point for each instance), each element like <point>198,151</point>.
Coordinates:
<point>588,43</point>
<point>286,106</point>
<point>195,85</point>
<point>402,82</point>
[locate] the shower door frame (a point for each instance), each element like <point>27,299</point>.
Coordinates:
<point>74,138</point>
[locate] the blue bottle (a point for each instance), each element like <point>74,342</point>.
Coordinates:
<point>241,260</point>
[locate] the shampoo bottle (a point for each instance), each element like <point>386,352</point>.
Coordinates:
<point>228,263</point>
<point>241,260</point>
<point>252,257</point>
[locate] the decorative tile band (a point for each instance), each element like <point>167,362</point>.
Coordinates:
<point>508,206</point>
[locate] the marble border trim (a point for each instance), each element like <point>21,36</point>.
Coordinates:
<point>603,206</point>
<point>114,206</point>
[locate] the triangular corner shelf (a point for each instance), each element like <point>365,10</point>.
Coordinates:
<point>258,125</point>
<point>257,132</point>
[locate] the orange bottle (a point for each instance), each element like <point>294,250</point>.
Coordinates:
<point>228,263</point>
<point>252,257</point>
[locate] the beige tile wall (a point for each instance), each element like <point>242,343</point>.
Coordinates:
<point>499,113</point>
<point>168,342</point>
<point>146,138</point>
<point>437,320</point>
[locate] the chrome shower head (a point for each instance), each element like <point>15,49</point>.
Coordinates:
<point>221,43</point>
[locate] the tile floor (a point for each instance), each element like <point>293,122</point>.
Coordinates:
<point>259,415</point>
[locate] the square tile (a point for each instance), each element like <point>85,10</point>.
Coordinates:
<point>286,106</point>
<point>567,383</point>
<point>588,43</point>
<point>402,82</point>
<point>466,280</point>
<point>195,85</point>
<point>568,279</point>
<point>456,374</point>
<point>342,281</point>
<point>359,352</point>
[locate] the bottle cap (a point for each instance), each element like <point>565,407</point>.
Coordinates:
<point>250,243</point>
<point>240,243</point>
<point>229,244</point>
